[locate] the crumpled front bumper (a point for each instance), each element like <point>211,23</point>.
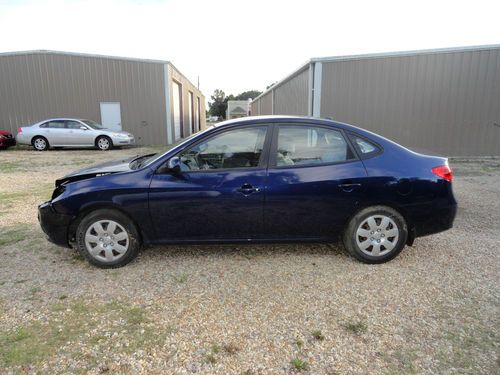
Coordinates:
<point>54,224</point>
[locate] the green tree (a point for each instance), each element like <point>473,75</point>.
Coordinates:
<point>218,105</point>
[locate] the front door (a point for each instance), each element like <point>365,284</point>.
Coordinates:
<point>111,116</point>
<point>76,136</point>
<point>218,194</point>
<point>314,183</point>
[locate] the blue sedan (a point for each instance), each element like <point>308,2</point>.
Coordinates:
<point>259,179</point>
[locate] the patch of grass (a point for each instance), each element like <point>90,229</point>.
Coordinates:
<point>20,281</point>
<point>299,343</point>
<point>356,327</point>
<point>11,166</point>
<point>490,168</point>
<point>318,335</point>
<point>124,327</point>
<point>299,364</point>
<point>62,297</point>
<point>181,278</point>
<point>215,348</point>
<point>13,234</point>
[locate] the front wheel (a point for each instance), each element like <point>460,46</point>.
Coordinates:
<point>104,143</point>
<point>376,234</point>
<point>107,238</point>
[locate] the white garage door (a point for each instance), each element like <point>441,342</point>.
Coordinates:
<point>176,101</point>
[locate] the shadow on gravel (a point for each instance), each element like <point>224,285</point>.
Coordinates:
<point>242,250</point>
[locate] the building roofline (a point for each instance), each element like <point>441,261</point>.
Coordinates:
<point>432,51</point>
<point>283,80</point>
<point>51,52</point>
<point>377,56</point>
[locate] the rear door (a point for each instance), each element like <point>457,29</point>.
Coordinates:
<point>315,182</point>
<point>54,131</point>
<point>219,193</point>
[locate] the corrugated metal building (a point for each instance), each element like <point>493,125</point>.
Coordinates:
<point>149,98</point>
<point>444,101</point>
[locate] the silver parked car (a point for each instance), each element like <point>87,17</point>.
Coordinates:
<point>70,132</point>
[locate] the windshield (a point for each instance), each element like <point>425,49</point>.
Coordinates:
<point>141,161</point>
<point>93,124</point>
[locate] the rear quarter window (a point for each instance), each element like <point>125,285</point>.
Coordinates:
<point>364,147</point>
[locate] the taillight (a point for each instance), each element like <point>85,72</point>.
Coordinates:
<point>444,172</point>
<point>19,130</point>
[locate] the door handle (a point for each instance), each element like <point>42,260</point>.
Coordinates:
<point>348,187</point>
<point>247,189</point>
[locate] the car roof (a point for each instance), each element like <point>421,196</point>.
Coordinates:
<point>289,120</point>
<point>61,119</point>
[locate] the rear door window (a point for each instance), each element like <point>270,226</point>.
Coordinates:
<point>56,124</point>
<point>311,145</point>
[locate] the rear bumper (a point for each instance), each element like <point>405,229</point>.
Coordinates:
<point>441,218</point>
<point>54,225</point>
<point>23,139</point>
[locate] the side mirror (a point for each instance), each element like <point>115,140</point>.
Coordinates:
<point>83,128</point>
<point>174,165</point>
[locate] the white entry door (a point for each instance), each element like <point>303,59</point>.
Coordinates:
<point>111,116</point>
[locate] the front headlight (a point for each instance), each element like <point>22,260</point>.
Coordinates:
<point>120,135</point>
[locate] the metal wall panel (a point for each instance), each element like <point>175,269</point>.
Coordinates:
<point>291,97</point>
<point>255,108</point>
<point>186,87</point>
<point>266,104</point>
<point>445,103</point>
<point>36,86</point>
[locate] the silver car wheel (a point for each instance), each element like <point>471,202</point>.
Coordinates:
<point>40,144</point>
<point>103,143</point>
<point>377,235</point>
<point>106,240</point>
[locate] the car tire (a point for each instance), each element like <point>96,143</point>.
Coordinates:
<point>376,234</point>
<point>108,238</point>
<point>40,143</point>
<point>104,143</point>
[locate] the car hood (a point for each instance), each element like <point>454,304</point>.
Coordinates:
<point>109,167</point>
<point>3,132</point>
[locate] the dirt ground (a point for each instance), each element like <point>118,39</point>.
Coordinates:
<point>252,309</point>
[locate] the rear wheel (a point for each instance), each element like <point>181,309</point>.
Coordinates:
<point>40,143</point>
<point>104,143</point>
<point>107,238</point>
<point>376,234</point>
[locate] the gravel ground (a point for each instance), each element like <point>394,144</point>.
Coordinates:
<point>252,309</point>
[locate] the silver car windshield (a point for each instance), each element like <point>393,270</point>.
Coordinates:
<point>93,124</point>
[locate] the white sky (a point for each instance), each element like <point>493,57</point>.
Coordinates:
<point>241,45</point>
